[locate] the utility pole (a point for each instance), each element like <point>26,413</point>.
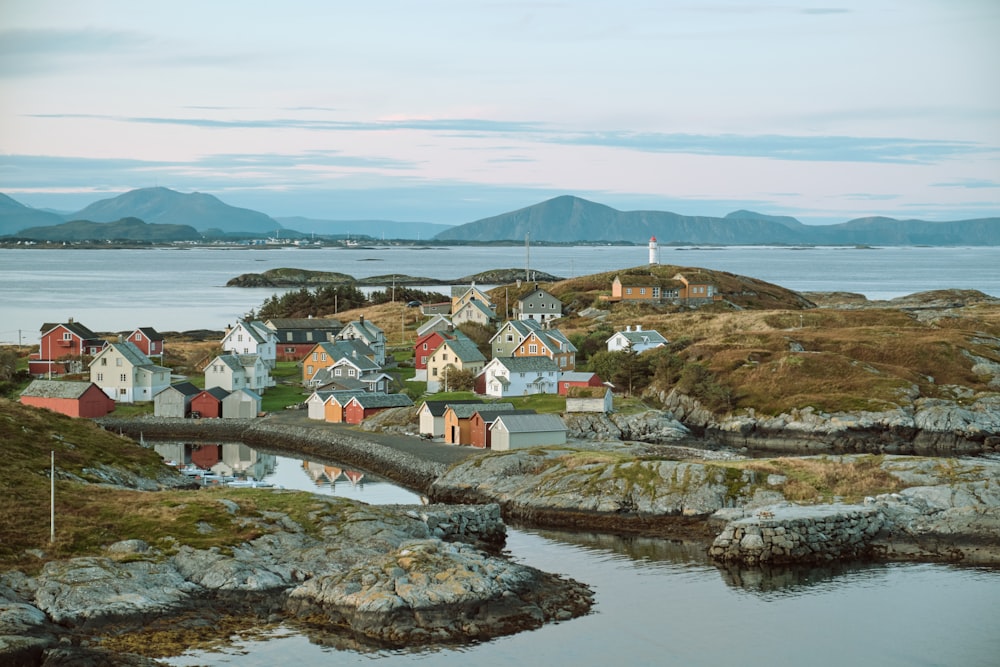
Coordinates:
<point>52,498</point>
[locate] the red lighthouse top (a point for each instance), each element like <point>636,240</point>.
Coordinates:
<point>652,239</point>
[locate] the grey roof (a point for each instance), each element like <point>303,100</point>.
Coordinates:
<point>313,323</point>
<point>466,410</point>
<point>242,393</point>
<point>130,352</point>
<point>380,400</point>
<point>650,337</point>
<point>346,348</point>
<point>528,364</point>
<point>217,392</point>
<point>149,332</point>
<point>576,376</point>
<point>531,423</point>
<point>559,341</point>
<point>185,388</point>
<point>56,389</point>
<point>465,350</point>
<point>346,384</point>
<point>437,408</point>
<point>363,328</point>
<point>230,360</point>
<point>489,416</point>
<point>521,327</point>
<point>481,307</point>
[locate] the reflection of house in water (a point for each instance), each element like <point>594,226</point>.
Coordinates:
<point>322,474</point>
<point>229,458</point>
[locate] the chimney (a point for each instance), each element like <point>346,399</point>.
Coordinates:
<point>71,320</point>
<point>121,339</point>
<point>361,318</point>
<point>628,327</point>
<point>638,327</point>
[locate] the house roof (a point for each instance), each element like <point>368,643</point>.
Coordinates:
<point>481,307</point>
<point>242,394</point>
<point>230,360</point>
<point>437,408</point>
<point>56,389</point>
<point>588,392</point>
<point>380,400</point>
<point>576,376</point>
<point>643,336</point>
<point>185,388</point>
<point>363,328</point>
<point>344,384</point>
<point>217,393</point>
<point>149,332</point>
<point>533,423</point>
<point>521,327</point>
<point>557,340</point>
<point>129,352</point>
<point>435,322</point>
<point>646,280</point>
<point>74,327</point>
<point>306,323</point>
<point>527,364</point>
<point>465,350</point>
<point>350,348</point>
<point>489,416</point>
<point>466,410</point>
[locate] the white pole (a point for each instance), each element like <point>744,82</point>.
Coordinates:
<point>52,500</point>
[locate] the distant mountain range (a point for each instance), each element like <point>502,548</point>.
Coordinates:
<point>571,219</point>
<point>563,219</point>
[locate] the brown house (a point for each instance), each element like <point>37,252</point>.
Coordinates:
<point>457,420</point>
<point>75,399</point>
<point>480,422</point>
<point>367,404</point>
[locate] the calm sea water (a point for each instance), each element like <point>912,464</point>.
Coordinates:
<point>663,603</point>
<point>178,290</point>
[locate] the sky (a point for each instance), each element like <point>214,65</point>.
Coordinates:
<point>452,111</point>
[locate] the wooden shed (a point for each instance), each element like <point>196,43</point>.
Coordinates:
<point>365,405</point>
<point>208,403</point>
<point>589,399</point>
<point>241,404</point>
<point>480,422</point>
<point>75,399</point>
<point>521,431</point>
<point>457,426</point>
<point>175,400</point>
<point>431,415</point>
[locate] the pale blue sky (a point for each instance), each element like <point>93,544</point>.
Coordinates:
<point>453,111</point>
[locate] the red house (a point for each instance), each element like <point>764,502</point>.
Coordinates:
<point>61,344</point>
<point>367,404</point>
<point>480,422</point>
<point>75,399</point>
<point>148,340</point>
<point>578,379</point>
<point>206,456</point>
<point>208,403</point>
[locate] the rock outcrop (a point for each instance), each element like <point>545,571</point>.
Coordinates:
<point>384,575</point>
<point>925,427</point>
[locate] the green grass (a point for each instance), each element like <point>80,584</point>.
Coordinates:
<point>541,403</point>
<point>279,396</point>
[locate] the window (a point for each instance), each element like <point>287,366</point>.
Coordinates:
<point>425,346</point>
<point>122,391</point>
<point>138,337</point>
<point>124,377</point>
<point>315,356</point>
<point>350,372</point>
<point>67,335</point>
<point>434,371</point>
<point>100,377</point>
<point>656,292</point>
<point>322,356</point>
<point>510,338</point>
<point>118,361</point>
<point>239,337</point>
<point>628,290</point>
<point>309,370</point>
<point>642,290</point>
<point>289,350</point>
<point>423,359</point>
<point>532,349</point>
<point>104,361</point>
<point>336,371</point>
<point>444,356</point>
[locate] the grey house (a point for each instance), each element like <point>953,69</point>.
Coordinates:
<point>175,400</point>
<point>538,305</point>
<point>241,404</point>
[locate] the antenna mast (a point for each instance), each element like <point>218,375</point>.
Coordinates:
<point>527,259</point>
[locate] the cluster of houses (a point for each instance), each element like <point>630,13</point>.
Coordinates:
<point>345,367</point>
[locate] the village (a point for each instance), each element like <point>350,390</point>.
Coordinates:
<point>345,372</point>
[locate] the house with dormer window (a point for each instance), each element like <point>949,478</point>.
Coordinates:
<point>252,337</point>
<point>127,375</point>
<point>371,335</point>
<point>452,354</point>
<point>62,348</point>
<point>538,305</point>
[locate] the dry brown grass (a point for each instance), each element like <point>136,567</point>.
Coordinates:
<point>823,479</point>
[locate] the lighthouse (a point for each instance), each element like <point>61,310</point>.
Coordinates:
<point>652,251</point>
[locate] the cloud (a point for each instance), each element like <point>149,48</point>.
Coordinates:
<point>971,183</point>
<point>26,52</point>
<point>784,147</point>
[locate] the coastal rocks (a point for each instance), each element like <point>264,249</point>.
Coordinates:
<point>927,426</point>
<point>562,488</point>
<point>953,515</point>
<point>797,534</point>
<point>400,575</point>
<point>651,426</point>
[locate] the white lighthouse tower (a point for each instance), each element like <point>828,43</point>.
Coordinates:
<point>653,255</point>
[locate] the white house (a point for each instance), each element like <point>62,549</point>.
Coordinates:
<point>238,371</point>
<point>127,375</point>
<point>520,376</point>
<point>635,339</point>
<point>518,431</point>
<point>252,337</point>
<point>371,335</point>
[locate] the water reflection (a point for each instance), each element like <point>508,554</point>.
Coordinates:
<point>238,465</point>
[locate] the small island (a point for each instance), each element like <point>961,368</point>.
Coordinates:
<point>287,277</point>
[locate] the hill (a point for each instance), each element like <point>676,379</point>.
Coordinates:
<point>570,219</point>
<point>126,229</point>
<point>15,216</point>
<point>389,229</point>
<point>165,206</point>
